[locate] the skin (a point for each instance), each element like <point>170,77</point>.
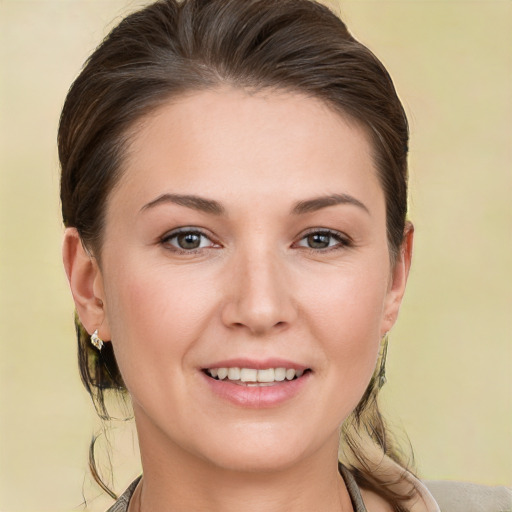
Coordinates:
<point>253,289</point>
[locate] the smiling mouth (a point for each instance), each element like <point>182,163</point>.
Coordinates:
<point>253,377</point>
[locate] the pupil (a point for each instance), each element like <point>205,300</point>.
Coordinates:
<point>319,241</point>
<point>189,241</point>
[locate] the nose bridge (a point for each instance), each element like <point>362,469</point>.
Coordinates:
<point>261,297</point>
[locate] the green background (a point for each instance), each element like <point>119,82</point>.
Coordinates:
<point>449,361</point>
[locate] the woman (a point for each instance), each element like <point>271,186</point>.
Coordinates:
<point>234,187</point>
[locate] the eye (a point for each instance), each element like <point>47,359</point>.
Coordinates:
<point>323,239</point>
<point>187,240</point>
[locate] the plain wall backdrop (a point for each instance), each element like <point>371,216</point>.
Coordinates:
<point>449,360</point>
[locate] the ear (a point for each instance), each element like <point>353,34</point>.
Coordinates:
<point>398,280</point>
<point>86,283</point>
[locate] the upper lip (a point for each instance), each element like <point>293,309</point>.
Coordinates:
<point>257,364</point>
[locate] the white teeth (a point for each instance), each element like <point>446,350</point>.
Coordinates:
<point>234,373</point>
<point>280,374</point>
<point>266,375</point>
<point>251,375</point>
<point>222,373</point>
<point>290,374</point>
<point>248,375</point>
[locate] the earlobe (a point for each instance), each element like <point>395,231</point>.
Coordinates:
<point>399,276</point>
<point>86,283</point>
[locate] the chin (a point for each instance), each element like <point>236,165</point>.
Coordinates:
<point>274,450</point>
<point>260,461</point>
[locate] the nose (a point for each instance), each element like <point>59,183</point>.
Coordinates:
<point>259,297</point>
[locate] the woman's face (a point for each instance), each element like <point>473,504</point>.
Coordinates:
<point>247,231</point>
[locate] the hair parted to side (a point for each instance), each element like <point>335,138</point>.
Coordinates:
<point>170,48</point>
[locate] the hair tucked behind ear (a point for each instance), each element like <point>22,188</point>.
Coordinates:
<point>170,48</point>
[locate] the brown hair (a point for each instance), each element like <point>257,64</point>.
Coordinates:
<point>170,48</point>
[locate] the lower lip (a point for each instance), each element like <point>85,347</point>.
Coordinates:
<point>257,397</point>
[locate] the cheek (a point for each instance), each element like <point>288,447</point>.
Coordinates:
<point>350,303</point>
<point>155,319</point>
<point>347,317</point>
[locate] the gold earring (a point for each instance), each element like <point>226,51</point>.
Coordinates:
<point>96,340</point>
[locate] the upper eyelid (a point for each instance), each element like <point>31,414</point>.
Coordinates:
<point>186,229</point>
<point>328,231</point>
<point>322,230</point>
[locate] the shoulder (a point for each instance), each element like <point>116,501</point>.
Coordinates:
<point>453,497</point>
<point>468,497</point>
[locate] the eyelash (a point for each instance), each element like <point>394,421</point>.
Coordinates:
<point>342,240</point>
<point>166,240</point>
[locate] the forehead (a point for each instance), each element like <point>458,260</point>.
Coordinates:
<point>228,139</point>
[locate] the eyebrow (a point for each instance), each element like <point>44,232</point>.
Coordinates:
<point>214,207</point>
<point>190,201</point>
<point>317,203</point>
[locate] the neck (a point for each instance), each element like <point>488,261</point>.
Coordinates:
<point>176,480</point>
